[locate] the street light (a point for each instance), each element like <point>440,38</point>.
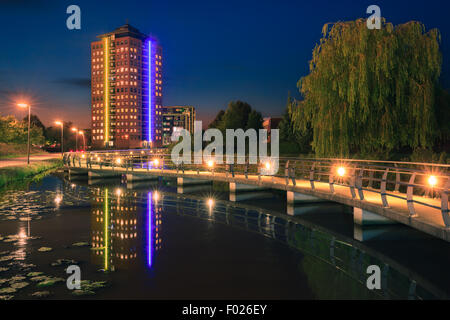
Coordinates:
<point>60,123</point>
<point>24,105</point>
<point>84,141</point>
<point>432,180</point>
<point>341,171</point>
<point>76,138</point>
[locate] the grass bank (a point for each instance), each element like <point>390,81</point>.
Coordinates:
<point>10,176</point>
<point>12,150</point>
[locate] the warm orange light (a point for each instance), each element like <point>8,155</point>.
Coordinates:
<point>210,202</point>
<point>341,171</point>
<point>156,196</point>
<point>74,129</point>
<point>83,156</point>
<point>118,192</point>
<point>81,132</point>
<point>156,162</point>
<point>58,123</point>
<point>118,161</point>
<point>267,165</point>
<point>432,180</point>
<point>22,105</point>
<point>210,163</point>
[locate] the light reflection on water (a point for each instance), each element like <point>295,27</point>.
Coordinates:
<point>126,235</point>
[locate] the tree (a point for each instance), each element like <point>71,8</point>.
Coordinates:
<point>371,91</point>
<point>254,121</point>
<point>293,140</point>
<point>215,123</point>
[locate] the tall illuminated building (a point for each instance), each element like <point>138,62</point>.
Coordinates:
<point>126,89</point>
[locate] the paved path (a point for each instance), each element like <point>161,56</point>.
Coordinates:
<point>23,160</point>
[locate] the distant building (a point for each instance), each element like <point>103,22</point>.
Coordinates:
<point>270,123</point>
<point>126,89</point>
<point>175,118</point>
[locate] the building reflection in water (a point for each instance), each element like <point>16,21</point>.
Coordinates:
<point>125,228</point>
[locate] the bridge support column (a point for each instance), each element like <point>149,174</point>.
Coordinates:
<point>361,233</point>
<point>314,208</point>
<point>193,188</point>
<point>363,217</point>
<point>295,197</point>
<point>132,177</point>
<point>240,192</point>
<point>101,174</point>
<point>182,181</point>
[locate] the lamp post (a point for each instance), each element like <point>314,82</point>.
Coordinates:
<point>76,138</point>
<point>84,140</point>
<point>60,123</point>
<point>24,105</point>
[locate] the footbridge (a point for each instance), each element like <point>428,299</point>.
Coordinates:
<point>380,192</point>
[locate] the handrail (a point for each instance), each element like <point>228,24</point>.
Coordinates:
<point>395,179</point>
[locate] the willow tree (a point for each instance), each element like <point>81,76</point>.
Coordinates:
<point>371,91</point>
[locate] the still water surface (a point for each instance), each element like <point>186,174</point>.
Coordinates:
<point>149,241</point>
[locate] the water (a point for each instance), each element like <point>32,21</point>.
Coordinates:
<point>148,241</point>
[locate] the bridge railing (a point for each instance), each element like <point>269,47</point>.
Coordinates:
<point>414,183</point>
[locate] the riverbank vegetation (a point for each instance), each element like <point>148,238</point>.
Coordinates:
<point>11,176</point>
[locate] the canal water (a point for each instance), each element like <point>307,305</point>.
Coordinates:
<point>151,240</point>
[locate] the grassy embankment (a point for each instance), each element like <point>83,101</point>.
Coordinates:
<point>8,150</point>
<point>12,176</point>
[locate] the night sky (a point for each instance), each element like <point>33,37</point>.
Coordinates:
<point>213,51</point>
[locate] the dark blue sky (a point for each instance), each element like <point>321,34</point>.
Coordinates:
<point>213,51</point>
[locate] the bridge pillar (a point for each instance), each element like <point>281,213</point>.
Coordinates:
<point>182,181</point>
<point>77,172</point>
<point>363,217</point>
<point>240,192</point>
<point>132,177</point>
<point>101,174</point>
<point>361,233</point>
<point>193,188</point>
<point>314,208</point>
<point>295,197</point>
<point>236,196</point>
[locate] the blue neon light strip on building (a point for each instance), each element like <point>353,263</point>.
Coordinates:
<point>150,229</point>
<point>150,91</point>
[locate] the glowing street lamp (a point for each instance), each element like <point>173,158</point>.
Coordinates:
<point>24,105</point>
<point>60,123</point>
<point>432,181</point>
<point>155,162</point>
<point>76,138</point>
<point>341,171</point>
<point>210,163</point>
<point>84,140</point>
<point>118,161</point>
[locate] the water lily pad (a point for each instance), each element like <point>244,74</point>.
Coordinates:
<point>17,278</point>
<point>44,249</point>
<point>8,290</point>
<point>80,244</point>
<point>61,262</point>
<point>83,292</point>
<point>19,285</point>
<point>49,282</point>
<point>40,278</point>
<point>41,294</point>
<point>6,297</point>
<point>35,274</point>
<point>6,258</point>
